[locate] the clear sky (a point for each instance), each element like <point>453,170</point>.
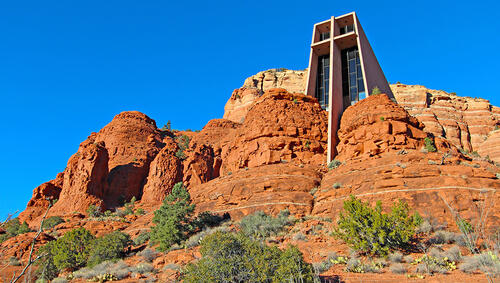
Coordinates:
<point>68,67</point>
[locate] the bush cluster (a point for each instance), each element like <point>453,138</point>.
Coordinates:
<point>79,248</point>
<point>13,228</point>
<point>183,143</point>
<point>429,145</point>
<point>174,221</point>
<point>368,230</point>
<point>260,225</point>
<point>51,222</point>
<point>228,257</point>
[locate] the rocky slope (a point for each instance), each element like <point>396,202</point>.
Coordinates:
<point>269,154</point>
<point>385,159</point>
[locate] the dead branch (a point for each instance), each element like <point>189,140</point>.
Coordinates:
<point>32,260</point>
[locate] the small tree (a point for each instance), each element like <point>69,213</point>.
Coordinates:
<point>172,219</point>
<point>71,251</point>
<point>228,257</point>
<point>109,247</point>
<point>429,145</point>
<point>13,228</point>
<point>368,230</point>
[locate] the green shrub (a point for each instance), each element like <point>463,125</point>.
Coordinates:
<point>51,222</point>
<point>13,261</point>
<point>183,143</point>
<point>105,270</point>
<point>398,268</point>
<point>71,251</point>
<point>94,211</point>
<point>172,219</point>
<point>180,154</point>
<point>109,247</point>
<point>260,225</point>
<point>208,219</point>
<point>195,239</point>
<point>376,90</point>
<point>368,230</point>
<point>396,257</point>
<point>429,145</point>
<point>355,265</point>
<point>148,254</point>
<point>334,164</point>
<point>142,238</point>
<point>129,207</point>
<point>228,257</point>
<point>487,262</point>
<point>79,248</point>
<point>13,228</point>
<point>434,264</point>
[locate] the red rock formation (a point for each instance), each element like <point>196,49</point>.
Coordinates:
<point>43,196</point>
<point>132,141</point>
<point>378,125</point>
<point>238,104</point>
<point>293,81</point>
<point>200,165</point>
<point>280,126</point>
<point>491,146</point>
<point>164,172</point>
<point>463,121</point>
<point>270,188</point>
<point>388,164</point>
<point>84,179</point>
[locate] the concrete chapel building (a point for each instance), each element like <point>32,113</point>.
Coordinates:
<point>342,70</point>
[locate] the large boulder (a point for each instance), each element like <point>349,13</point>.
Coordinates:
<point>279,127</point>
<point>43,196</point>
<point>84,180</point>
<point>376,125</point>
<point>132,141</point>
<point>164,172</point>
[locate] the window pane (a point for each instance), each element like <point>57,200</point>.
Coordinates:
<point>361,86</point>
<point>352,66</point>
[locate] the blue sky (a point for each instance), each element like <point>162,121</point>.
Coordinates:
<point>67,67</point>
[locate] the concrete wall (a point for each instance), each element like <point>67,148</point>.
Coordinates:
<point>372,72</point>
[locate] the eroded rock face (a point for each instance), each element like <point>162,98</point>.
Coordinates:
<point>279,127</point>
<point>238,104</point>
<point>43,196</point>
<point>110,167</point>
<point>132,141</point>
<point>270,188</point>
<point>84,180</point>
<point>164,172</point>
<point>293,81</point>
<point>463,121</point>
<point>383,160</point>
<point>200,166</point>
<point>376,125</point>
<point>491,146</point>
